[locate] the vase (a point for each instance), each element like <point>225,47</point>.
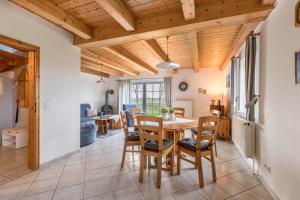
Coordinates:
<point>171,116</point>
<point>165,116</point>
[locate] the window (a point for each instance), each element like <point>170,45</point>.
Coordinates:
<point>149,96</point>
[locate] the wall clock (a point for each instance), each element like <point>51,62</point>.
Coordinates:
<point>183,86</point>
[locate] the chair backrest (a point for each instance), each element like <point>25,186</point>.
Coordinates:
<point>206,123</point>
<point>124,123</point>
<point>150,127</point>
<point>134,112</point>
<point>179,112</point>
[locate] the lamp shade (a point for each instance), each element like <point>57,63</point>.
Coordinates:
<point>168,65</point>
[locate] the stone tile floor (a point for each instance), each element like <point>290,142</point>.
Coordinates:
<point>94,173</point>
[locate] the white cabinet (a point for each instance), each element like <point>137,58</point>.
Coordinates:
<point>15,137</point>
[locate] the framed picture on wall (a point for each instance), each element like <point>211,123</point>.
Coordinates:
<point>297,67</point>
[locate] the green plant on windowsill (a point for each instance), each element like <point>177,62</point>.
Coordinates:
<point>171,110</point>
<point>164,110</point>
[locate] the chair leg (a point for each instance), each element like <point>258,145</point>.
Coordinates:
<point>178,160</point>
<point>172,161</point>
<point>142,160</point>
<point>158,178</point>
<point>124,152</point>
<point>199,166</point>
<point>213,165</point>
<point>216,153</point>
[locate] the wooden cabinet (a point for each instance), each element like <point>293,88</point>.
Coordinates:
<point>223,129</point>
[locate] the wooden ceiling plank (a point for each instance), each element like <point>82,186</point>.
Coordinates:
<point>195,50</point>
<point>107,70</point>
<point>238,42</point>
<point>123,54</point>
<point>171,23</point>
<point>268,2</point>
<point>56,15</point>
<point>118,10</point>
<point>94,72</point>
<point>188,8</point>
<point>155,49</point>
<point>105,61</point>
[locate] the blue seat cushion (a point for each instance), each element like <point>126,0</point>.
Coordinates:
<point>204,132</point>
<point>152,145</point>
<point>190,143</point>
<point>132,136</point>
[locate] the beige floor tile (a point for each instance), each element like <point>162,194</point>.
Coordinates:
<point>74,169</point>
<point>132,193</point>
<point>70,179</point>
<point>49,173</point>
<point>230,186</point>
<point>117,170</point>
<point>28,178</point>
<point>212,192</point>
<point>99,164</point>
<point>97,187</point>
<point>176,184</point>
<point>248,195</point>
<point>73,193</point>
<point>13,192</point>
<point>96,174</point>
<point>106,196</point>
<point>122,181</point>
<point>262,191</point>
<point>244,180</point>
<point>4,180</point>
<point>40,196</point>
<point>151,192</point>
<point>226,169</point>
<point>190,194</point>
<point>42,186</point>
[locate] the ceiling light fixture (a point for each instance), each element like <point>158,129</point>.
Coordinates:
<point>101,81</point>
<point>168,64</point>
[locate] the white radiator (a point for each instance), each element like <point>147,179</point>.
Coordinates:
<point>243,136</point>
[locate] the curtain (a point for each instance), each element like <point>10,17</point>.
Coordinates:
<point>233,83</point>
<point>123,93</point>
<point>167,87</point>
<point>250,60</point>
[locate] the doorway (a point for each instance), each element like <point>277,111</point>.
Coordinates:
<point>31,77</point>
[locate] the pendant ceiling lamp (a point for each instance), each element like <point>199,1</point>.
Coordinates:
<point>101,81</point>
<point>168,64</point>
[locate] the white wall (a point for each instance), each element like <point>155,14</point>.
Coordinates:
<point>278,130</point>
<point>59,78</point>
<point>94,94</point>
<point>278,135</point>
<point>209,79</point>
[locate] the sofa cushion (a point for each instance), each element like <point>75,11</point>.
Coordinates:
<point>133,136</point>
<point>153,145</point>
<point>190,143</point>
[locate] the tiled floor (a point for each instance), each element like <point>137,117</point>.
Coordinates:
<point>94,173</point>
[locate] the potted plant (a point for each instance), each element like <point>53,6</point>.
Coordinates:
<point>171,114</point>
<point>165,113</point>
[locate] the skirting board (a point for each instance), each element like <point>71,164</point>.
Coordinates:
<point>260,177</point>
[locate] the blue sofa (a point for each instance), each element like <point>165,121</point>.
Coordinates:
<point>88,128</point>
<point>127,108</point>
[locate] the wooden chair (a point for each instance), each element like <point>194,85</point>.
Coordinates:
<point>153,145</point>
<point>131,138</point>
<point>179,112</point>
<point>202,146</point>
<point>134,112</point>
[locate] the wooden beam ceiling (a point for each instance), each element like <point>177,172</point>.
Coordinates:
<point>268,2</point>
<point>104,69</point>
<point>188,8</point>
<point>54,14</point>
<point>119,12</point>
<point>173,23</point>
<point>123,54</point>
<point>93,72</point>
<point>239,41</point>
<point>155,49</point>
<point>193,38</point>
<point>105,61</point>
